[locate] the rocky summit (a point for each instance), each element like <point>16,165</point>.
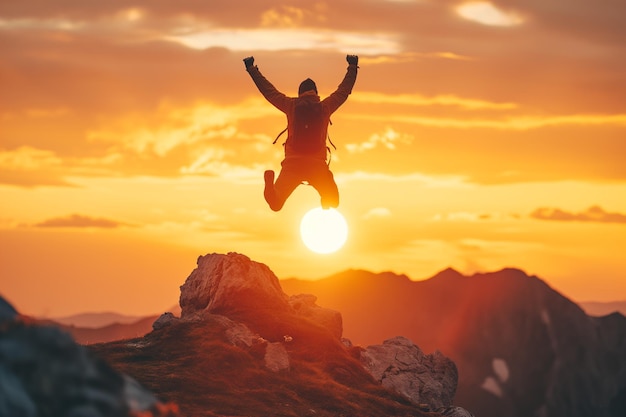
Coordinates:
<point>243,347</point>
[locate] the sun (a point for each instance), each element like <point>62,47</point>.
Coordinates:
<point>323,230</point>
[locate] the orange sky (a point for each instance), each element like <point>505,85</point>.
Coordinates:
<point>479,135</point>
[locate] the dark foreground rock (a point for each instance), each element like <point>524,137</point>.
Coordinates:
<point>44,373</point>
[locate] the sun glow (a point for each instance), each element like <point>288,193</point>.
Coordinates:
<point>323,231</point>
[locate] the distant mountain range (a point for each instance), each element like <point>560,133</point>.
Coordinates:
<point>95,320</point>
<point>115,331</point>
<point>90,328</point>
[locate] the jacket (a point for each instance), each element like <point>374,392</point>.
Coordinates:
<point>287,104</point>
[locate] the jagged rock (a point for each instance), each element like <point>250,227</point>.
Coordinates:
<point>401,366</point>
<point>304,305</point>
<point>231,282</point>
<point>43,372</point>
<point>237,333</point>
<point>276,357</point>
<point>166,319</point>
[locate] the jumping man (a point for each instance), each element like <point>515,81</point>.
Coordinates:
<point>305,147</point>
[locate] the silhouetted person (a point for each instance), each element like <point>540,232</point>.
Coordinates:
<point>304,162</point>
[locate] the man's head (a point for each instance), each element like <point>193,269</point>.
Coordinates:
<point>307,85</point>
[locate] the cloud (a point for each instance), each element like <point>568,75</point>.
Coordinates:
<point>387,139</point>
<point>510,123</point>
<point>377,212</point>
<point>434,181</point>
<point>419,100</point>
<point>80,221</point>
<point>172,126</point>
<point>593,214</point>
<point>486,13</point>
<point>113,97</point>
<point>30,167</point>
<point>28,158</point>
<point>409,57</point>
<point>290,39</point>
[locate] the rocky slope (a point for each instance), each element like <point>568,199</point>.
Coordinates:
<point>521,348</point>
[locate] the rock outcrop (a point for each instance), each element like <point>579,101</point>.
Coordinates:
<point>229,283</point>
<point>232,285</point>
<point>44,373</point>
<point>401,366</point>
<point>305,306</point>
<point>224,287</point>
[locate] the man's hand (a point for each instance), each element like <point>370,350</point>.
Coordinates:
<point>249,61</point>
<point>352,59</point>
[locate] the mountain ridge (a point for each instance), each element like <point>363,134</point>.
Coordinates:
<point>92,327</point>
<point>507,331</point>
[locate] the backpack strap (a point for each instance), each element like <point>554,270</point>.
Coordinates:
<point>279,135</point>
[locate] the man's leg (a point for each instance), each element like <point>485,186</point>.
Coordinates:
<point>277,193</point>
<point>324,182</point>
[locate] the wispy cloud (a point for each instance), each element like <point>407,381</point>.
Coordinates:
<point>387,139</point>
<point>419,100</point>
<point>408,56</point>
<point>592,214</point>
<point>513,123</point>
<point>290,39</point>
<point>486,13</point>
<point>377,212</point>
<point>80,221</point>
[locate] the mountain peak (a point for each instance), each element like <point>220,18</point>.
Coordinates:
<point>448,274</point>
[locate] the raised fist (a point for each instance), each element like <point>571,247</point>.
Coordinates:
<point>249,61</point>
<point>352,59</point>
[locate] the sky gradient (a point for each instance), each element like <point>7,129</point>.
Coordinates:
<point>479,135</point>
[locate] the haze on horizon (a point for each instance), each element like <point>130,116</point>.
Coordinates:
<point>479,135</point>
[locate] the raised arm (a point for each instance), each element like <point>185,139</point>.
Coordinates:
<point>271,94</point>
<point>342,92</point>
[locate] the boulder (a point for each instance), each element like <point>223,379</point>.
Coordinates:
<point>238,334</point>
<point>276,357</point>
<point>400,365</point>
<point>166,319</point>
<point>304,305</point>
<point>232,282</point>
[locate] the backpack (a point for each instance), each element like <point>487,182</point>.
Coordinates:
<point>308,128</point>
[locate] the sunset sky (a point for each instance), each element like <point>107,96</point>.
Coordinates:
<point>479,135</point>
